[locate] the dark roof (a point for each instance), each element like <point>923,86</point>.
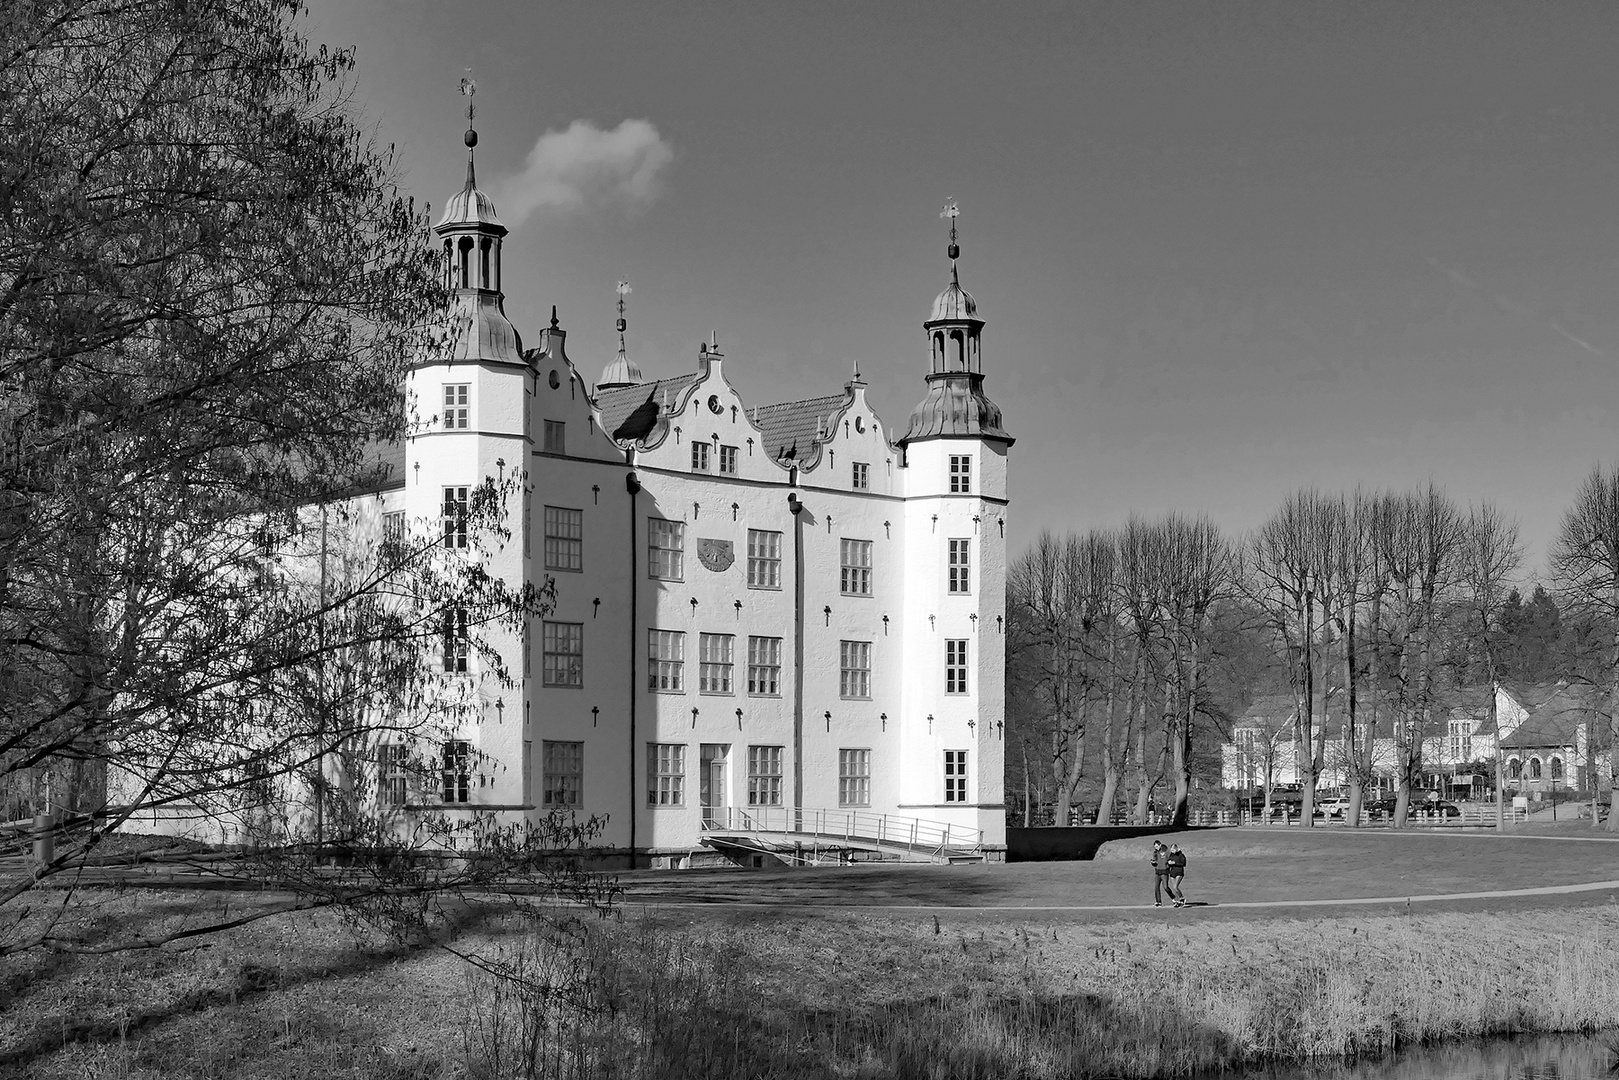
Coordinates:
<point>630,413</point>
<point>955,404</point>
<point>1532,695</point>
<point>382,470</point>
<point>1556,721</point>
<point>791,429</point>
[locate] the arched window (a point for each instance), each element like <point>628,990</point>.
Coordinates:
<point>957,355</point>
<point>464,268</point>
<point>483,263</point>
<point>938,351</point>
<point>1557,768</point>
<point>1534,768</point>
<point>449,263</point>
<point>1514,769</point>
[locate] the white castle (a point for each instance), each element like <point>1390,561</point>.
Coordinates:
<point>769,619</point>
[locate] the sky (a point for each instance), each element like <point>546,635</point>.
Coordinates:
<point>1224,251</point>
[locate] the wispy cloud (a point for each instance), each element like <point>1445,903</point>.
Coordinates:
<point>584,166</point>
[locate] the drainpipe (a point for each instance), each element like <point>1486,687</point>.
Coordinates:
<point>633,486</point>
<point>797,509</point>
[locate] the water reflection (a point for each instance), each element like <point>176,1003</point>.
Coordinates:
<point>1563,1057</point>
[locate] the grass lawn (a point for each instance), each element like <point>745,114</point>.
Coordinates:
<point>816,973</point>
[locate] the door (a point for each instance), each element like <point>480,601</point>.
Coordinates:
<point>713,764</point>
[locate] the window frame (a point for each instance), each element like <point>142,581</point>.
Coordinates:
<point>961,474</point>
<point>393,775</point>
<point>764,786</point>
<point>768,664</point>
<point>455,772</point>
<point>854,776</point>
<point>854,572</point>
<point>670,556</point>
<point>673,669</point>
<point>554,437</point>
<point>455,644</point>
<point>767,558</point>
<point>558,543</point>
<point>958,560</point>
<point>733,455</point>
<point>955,666</point>
<point>665,774</point>
<point>860,476</point>
<point>453,512</point>
<point>562,761</point>
<point>554,673</point>
<point>457,406</point>
<point>955,776</point>
<point>718,670</point>
<point>854,680</point>
<point>700,456</point>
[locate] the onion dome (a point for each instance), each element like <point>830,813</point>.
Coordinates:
<point>620,371</point>
<point>469,206</point>
<point>955,303</point>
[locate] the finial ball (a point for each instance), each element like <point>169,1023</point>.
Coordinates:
<point>470,138</point>
<point>955,251</point>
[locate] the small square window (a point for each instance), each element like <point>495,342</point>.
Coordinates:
<point>455,405</point>
<point>728,457</point>
<point>555,436</point>
<point>862,476</point>
<point>961,474</point>
<point>699,456</point>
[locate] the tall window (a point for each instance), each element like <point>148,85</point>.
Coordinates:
<point>854,669</point>
<point>455,405</point>
<point>861,481</point>
<point>955,776</point>
<point>1557,768</point>
<point>555,437</point>
<point>564,539</point>
<point>457,771</point>
<point>856,556</point>
<point>715,663</point>
<point>764,559</point>
<point>393,529</point>
<point>455,646</point>
<point>699,456</point>
<point>666,660</point>
<point>961,474</point>
<point>728,460</point>
<point>764,665</point>
<point>562,654</point>
<point>666,774</point>
<point>764,775</point>
<point>1534,768</point>
<point>1461,740</point>
<point>393,774</point>
<point>563,771</point>
<point>454,517</point>
<point>960,575</point>
<point>955,666</point>
<point>854,777</point>
<point>666,549</point>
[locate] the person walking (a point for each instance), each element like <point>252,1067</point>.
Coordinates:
<point>1176,860</point>
<point>1160,872</point>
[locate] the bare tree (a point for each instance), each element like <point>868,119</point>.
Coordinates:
<point>1585,565</point>
<point>1489,559</point>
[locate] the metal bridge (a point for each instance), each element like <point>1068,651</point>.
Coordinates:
<point>802,836</point>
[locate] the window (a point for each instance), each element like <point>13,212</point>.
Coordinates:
<point>764,775</point>
<point>666,549</point>
<point>1557,768</point>
<point>457,778</point>
<point>393,774</point>
<point>1461,740</point>
<point>856,557</point>
<point>854,674</point>
<point>715,663</point>
<point>960,575</point>
<point>556,441</point>
<point>562,654</point>
<point>961,474</point>
<point>728,460</point>
<point>1515,769</point>
<point>764,559</point>
<point>955,776</point>
<point>699,457</point>
<point>764,666</point>
<point>393,527</point>
<point>455,405</point>
<point>955,666</point>
<point>1534,768</point>
<point>454,517</point>
<point>861,481</point>
<point>455,646</point>
<point>666,663</point>
<point>563,771</point>
<point>564,539</point>
<point>665,774</point>
<point>854,777</point>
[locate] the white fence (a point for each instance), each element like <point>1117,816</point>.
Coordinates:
<point>850,826</point>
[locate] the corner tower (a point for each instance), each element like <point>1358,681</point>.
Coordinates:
<point>955,453</point>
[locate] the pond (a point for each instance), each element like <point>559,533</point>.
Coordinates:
<point>1544,1057</point>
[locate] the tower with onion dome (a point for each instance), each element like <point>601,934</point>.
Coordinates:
<point>955,454</point>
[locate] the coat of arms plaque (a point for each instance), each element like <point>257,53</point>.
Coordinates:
<point>716,555</point>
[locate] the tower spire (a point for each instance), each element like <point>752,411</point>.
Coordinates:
<point>623,291</point>
<point>952,212</point>
<point>468,90</point>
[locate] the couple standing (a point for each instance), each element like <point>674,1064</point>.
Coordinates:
<point>1168,867</point>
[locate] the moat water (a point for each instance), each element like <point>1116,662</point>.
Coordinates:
<point>1546,1057</point>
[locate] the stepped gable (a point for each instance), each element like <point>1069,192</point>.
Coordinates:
<point>631,414</point>
<point>792,430</point>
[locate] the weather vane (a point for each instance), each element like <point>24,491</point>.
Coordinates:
<point>952,211</point>
<point>468,89</point>
<point>623,291</point>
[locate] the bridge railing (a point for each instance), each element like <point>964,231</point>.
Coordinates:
<point>852,826</point>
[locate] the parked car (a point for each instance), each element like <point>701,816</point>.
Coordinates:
<point>1332,808</point>
<point>1416,808</point>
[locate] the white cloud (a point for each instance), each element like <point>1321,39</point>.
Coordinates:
<point>587,166</point>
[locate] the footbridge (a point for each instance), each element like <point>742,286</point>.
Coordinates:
<point>802,836</point>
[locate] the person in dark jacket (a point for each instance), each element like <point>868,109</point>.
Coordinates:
<point>1160,872</point>
<point>1177,869</point>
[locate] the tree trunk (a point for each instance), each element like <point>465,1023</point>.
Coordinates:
<point>1613,722</point>
<point>1351,704</point>
<point>1306,764</point>
<point>1183,745</point>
